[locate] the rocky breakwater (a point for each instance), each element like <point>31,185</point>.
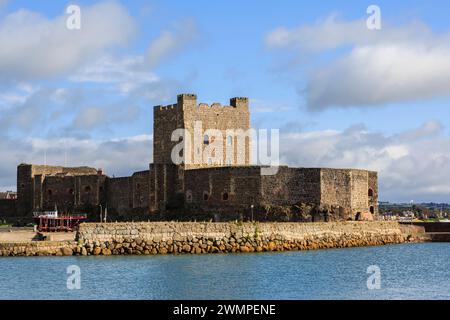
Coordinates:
<point>38,248</point>
<point>151,238</point>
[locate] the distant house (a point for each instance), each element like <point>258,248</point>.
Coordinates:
<point>8,195</point>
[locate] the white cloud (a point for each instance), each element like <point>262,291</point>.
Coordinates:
<point>127,73</point>
<point>34,46</point>
<point>262,106</point>
<point>3,3</point>
<point>395,64</point>
<point>381,74</point>
<point>170,42</point>
<point>332,33</point>
<point>411,165</point>
<point>89,118</point>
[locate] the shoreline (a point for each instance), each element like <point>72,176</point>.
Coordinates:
<point>154,238</point>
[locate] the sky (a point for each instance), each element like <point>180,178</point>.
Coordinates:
<point>341,95</point>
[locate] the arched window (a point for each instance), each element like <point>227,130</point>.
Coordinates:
<point>372,210</point>
<point>370,192</point>
<point>230,140</point>
<point>225,196</point>
<point>188,196</point>
<point>49,192</point>
<point>205,196</point>
<point>206,139</point>
<point>87,189</point>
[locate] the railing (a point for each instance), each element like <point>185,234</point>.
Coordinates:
<point>56,215</point>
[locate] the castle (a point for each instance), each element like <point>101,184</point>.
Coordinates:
<point>227,188</point>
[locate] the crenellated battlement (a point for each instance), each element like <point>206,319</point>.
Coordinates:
<point>189,101</point>
<point>239,102</point>
<point>167,107</point>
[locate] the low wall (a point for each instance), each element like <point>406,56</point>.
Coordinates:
<point>431,226</point>
<point>212,237</point>
<point>38,248</point>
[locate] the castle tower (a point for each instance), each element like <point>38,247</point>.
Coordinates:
<point>218,135</point>
<point>212,136</point>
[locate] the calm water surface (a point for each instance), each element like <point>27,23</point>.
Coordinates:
<point>409,271</point>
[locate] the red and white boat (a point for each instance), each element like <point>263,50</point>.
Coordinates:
<point>53,221</point>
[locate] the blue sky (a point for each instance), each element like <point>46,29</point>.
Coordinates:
<point>341,95</point>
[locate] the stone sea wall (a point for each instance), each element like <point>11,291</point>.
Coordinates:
<point>38,248</point>
<point>150,238</point>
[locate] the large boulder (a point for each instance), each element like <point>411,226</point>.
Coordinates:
<point>66,251</point>
<point>106,252</point>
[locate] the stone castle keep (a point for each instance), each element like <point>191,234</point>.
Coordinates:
<point>223,190</point>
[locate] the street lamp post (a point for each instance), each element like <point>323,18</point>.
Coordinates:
<point>252,206</point>
<point>101,215</point>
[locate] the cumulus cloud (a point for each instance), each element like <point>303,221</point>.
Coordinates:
<point>134,75</point>
<point>57,112</point>
<point>31,109</point>
<point>3,3</point>
<point>126,73</point>
<point>411,164</point>
<point>395,64</point>
<point>34,46</point>
<point>170,42</point>
<point>91,117</point>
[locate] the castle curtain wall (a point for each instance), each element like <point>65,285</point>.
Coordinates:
<point>291,186</point>
<point>223,190</point>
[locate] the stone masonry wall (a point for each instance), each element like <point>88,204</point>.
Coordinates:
<point>350,189</point>
<point>119,194</point>
<point>373,186</point>
<point>359,191</point>
<point>31,192</point>
<point>291,186</point>
<point>38,248</point>
<point>226,118</point>
<point>336,187</point>
<point>8,207</point>
<point>141,189</point>
<point>197,238</point>
<point>166,120</point>
<point>223,189</point>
